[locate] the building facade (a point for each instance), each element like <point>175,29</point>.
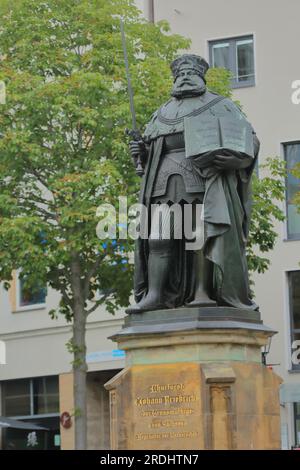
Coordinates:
<point>258,42</point>
<point>36,380</point>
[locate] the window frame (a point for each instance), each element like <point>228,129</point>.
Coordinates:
<point>32,404</point>
<point>292,330</point>
<point>296,418</point>
<point>26,308</point>
<point>232,41</point>
<point>288,237</point>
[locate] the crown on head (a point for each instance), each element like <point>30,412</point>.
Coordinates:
<point>192,61</point>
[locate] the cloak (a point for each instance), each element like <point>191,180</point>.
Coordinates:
<point>227,206</point>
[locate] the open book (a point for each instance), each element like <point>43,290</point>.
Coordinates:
<point>216,135</point>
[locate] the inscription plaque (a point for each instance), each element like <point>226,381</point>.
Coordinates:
<point>167,407</point>
<point>192,406</point>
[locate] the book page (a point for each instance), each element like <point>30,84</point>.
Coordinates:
<point>204,134</point>
<point>201,135</point>
<point>236,135</point>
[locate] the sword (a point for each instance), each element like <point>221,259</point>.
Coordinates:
<point>134,133</point>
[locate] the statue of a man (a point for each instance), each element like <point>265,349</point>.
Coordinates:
<point>194,152</point>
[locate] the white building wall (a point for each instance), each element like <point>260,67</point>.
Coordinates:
<point>36,344</point>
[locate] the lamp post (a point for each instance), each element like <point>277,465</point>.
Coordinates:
<point>265,351</point>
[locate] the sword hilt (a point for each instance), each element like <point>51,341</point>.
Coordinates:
<point>137,137</point>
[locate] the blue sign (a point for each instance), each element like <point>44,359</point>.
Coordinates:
<point>103,356</point>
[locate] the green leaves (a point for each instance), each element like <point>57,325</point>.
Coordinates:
<point>64,150</point>
<point>219,81</point>
<point>268,191</point>
<point>296,173</point>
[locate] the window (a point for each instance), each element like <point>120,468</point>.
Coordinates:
<point>236,55</point>
<point>45,395</point>
<point>30,397</point>
<point>292,156</point>
<point>297,423</point>
<point>16,398</point>
<point>294,301</point>
<point>30,298</point>
<point>35,401</point>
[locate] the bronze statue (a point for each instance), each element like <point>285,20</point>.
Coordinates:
<point>198,149</point>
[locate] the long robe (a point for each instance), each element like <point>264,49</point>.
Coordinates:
<point>227,206</point>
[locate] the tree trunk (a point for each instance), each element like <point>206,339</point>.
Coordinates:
<point>79,363</point>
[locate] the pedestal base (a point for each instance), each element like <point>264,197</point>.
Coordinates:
<point>194,380</point>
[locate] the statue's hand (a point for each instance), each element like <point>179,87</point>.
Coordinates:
<point>138,151</point>
<point>231,162</point>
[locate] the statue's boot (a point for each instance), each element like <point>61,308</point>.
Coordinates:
<point>201,297</point>
<point>159,266</point>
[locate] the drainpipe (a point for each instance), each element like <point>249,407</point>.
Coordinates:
<point>150,10</point>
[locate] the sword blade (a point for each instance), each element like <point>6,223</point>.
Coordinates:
<point>129,86</point>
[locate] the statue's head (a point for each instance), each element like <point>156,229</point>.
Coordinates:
<point>189,75</point>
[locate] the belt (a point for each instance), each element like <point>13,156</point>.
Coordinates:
<point>183,162</point>
<point>180,152</point>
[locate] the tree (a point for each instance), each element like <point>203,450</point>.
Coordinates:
<point>267,192</point>
<point>63,150</point>
<point>295,171</point>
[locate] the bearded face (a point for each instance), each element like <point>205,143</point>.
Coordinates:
<point>188,83</point>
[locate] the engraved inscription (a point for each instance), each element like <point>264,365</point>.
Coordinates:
<point>166,435</point>
<point>165,401</point>
<point>162,388</point>
<point>173,412</point>
<point>167,407</point>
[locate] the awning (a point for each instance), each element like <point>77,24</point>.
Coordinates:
<point>16,424</point>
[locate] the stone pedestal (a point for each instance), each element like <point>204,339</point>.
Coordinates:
<point>194,379</point>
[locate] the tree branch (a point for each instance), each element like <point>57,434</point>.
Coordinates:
<point>97,304</point>
<point>90,274</point>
